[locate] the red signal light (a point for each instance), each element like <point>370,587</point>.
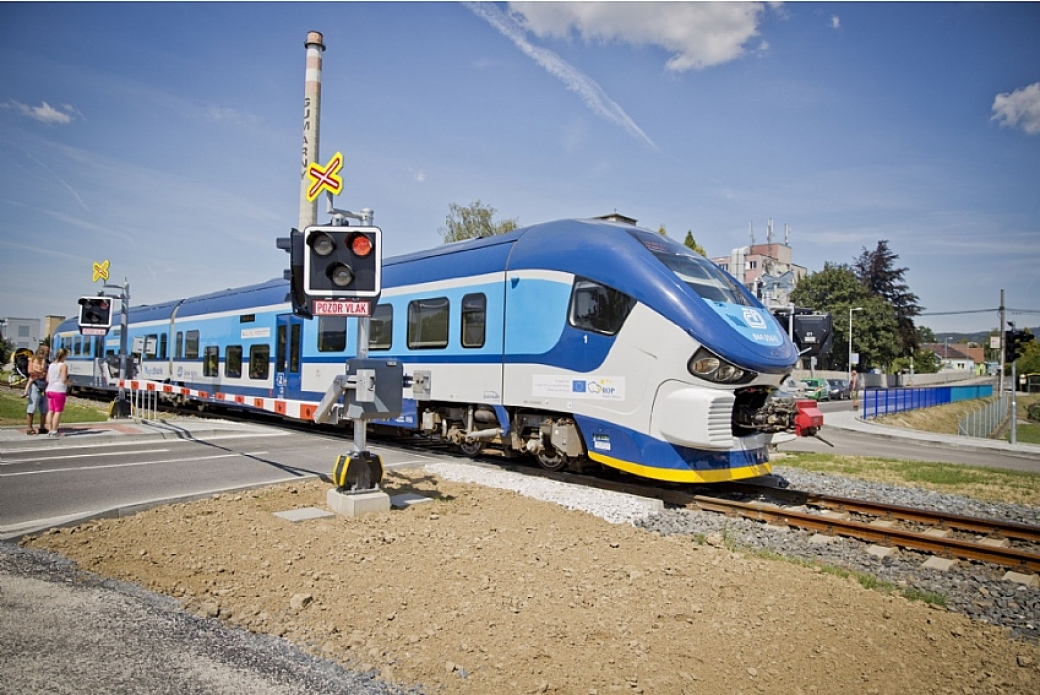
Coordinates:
<point>361,245</point>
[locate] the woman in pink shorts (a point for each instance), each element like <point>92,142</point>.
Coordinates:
<point>57,387</point>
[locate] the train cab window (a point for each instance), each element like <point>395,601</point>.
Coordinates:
<point>474,318</point>
<point>191,345</point>
<point>598,308</point>
<point>259,361</point>
<point>233,362</point>
<point>211,361</point>
<point>703,277</point>
<point>428,323</point>
<point>178,346</point>
<point>381,328</point>
<point>332,333</point>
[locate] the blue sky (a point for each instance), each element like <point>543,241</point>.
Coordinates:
<point>165,137</point>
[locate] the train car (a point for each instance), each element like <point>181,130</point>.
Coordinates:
<point>570,341</point>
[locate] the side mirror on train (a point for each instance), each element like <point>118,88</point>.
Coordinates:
<point>342,262</point>
<point>95,315</point>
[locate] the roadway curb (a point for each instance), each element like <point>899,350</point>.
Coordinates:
<point>16,532</point>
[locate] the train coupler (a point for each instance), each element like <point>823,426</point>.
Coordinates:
<point>808,419</point>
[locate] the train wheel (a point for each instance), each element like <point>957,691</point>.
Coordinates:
<point>471,448</point>
<point>552,459</point>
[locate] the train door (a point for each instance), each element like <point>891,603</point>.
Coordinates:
<point>288,348</point>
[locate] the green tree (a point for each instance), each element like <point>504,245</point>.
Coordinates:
<point>876,270</point>
<point>925,335</point>
<point>473,221</point>
<point>6,348</point>
<point>691,243</point>
<point>837,289</point>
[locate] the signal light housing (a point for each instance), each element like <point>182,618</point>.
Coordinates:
<point>342,262</point>
<point>95,315</point>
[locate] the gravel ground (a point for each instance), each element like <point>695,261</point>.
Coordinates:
<point>68,631</point>
<point>970,588</point>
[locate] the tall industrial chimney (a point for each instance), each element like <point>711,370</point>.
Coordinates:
<point>311,124</point>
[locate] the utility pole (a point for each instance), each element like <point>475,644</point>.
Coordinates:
<point>1000,332</point>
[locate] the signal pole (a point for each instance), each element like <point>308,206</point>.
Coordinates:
<point>1000,331</point>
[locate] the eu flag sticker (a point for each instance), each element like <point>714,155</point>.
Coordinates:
<point>578,386</point>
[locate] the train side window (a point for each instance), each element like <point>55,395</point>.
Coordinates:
<point>178,346</point>
<point>233,362</point>
<point>598,308</point>
<point>381,328</point>
<point>211,361</point>
<point>279,358</point>
<point>332,333</point>
<point>428,323</point>
<point>294,348</point>
<point>191,345</point>
<point>259,361</point>
<point>163,339</point>
<point>79,347</point>
<point>474,318</point>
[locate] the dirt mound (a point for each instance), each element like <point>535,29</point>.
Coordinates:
<point>485,591</point>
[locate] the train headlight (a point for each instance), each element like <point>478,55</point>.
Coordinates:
<point>710,367</point>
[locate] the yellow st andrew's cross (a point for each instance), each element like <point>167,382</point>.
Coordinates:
<point>100,271</point>
<point>325,177</point>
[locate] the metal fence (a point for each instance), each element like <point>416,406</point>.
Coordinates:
<point>885,401</point>
<point>984,421</point>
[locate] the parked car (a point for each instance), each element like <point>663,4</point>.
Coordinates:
<point>817,389</point>
<point>839,389</point>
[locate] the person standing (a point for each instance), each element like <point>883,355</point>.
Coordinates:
<point>36,389</point>
<point>57,388</point>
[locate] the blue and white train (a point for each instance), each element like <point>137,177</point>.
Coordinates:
<point>564,340</point>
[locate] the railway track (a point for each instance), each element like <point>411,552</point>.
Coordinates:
<point>1011,545</point>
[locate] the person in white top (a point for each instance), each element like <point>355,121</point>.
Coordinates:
<point>57,387</point>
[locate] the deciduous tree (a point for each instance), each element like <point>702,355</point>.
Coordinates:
<point>473,221</point>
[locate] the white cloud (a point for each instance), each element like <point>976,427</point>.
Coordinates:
<point>700,34</point>
<point>575,80</point>
<point>45,113</point>
<point>1019,108</point>
<point>835,22</point>
<point>230,116</point>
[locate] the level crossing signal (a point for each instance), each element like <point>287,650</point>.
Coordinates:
<point>95,315</point>
<point>342,262</point>
<point>1015,343</point>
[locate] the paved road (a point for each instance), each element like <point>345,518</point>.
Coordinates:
<point>113,469</point>
<point>853,436</point>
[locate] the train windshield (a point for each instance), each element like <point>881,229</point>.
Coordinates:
<point>702,276</point>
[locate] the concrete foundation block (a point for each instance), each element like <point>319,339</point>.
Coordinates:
<point>357,503</point>
<point>939,563</point>
<point>408,499</point>
<point>305,514</point>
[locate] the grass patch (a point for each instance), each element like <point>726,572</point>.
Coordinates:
<point>988,484</point>
<point>12,410</point>
<point>867,581</point>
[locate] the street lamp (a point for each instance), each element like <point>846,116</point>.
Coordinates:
<point>859,308</point>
